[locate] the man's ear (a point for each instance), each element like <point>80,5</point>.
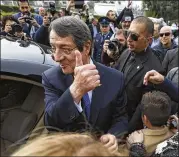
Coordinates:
<point>144,119</point>
<point>87,47</point>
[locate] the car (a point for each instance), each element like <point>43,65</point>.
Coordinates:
<point>21,91</point>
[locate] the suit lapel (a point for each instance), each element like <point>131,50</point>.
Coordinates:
<point>96,96</point>
<point>123,62</point>
<point>138,65</point>
<point>134,70</point>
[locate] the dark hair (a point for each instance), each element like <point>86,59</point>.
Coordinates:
<point>22,1</point>
<point>148,23</point>
<point>157,107</point>
<point>6,18</point>
<point>109,11</point>
<point>71,26</point>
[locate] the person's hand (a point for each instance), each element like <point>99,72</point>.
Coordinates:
<point>110,142</point>
<point>34,23</point>
<point>86,78</point>
<point>173,128</point>
<point>135,137</point>
<point>129,3</point>
<point>21,20</point>
<point>105,46</point>
<point>153,77</point>
<point>46,21</point>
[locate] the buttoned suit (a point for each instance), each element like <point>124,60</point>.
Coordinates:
<point>134,79</point>
<point>98,46</point>
<point>108,105</point>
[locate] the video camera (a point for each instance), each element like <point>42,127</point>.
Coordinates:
<point>52,8</point>
<point>28,17</point>
<point>114,45</point>
<point>15,28</point>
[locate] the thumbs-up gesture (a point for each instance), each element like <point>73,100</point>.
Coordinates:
<point>86,78</point>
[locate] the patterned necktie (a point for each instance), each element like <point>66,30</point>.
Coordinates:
<point>87,105</point>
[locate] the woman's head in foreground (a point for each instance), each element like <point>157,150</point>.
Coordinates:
<point>64,145</point>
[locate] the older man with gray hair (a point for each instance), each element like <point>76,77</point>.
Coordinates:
<point>78,96</point>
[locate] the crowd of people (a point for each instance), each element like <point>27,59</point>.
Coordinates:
<point>117,79</point>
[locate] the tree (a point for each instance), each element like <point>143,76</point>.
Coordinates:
<point>167,9</point>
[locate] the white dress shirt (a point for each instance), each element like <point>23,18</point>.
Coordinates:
<point>78,106</point>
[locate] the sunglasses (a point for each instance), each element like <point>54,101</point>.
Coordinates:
<point>133,36</point>
<point>166,34</point>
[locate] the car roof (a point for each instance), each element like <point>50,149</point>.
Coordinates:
<point>12,50</point>
<point>29,61</point>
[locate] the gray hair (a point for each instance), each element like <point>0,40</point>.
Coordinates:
<point>71,26</point>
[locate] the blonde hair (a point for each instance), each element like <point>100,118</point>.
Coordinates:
<point>64,144</point>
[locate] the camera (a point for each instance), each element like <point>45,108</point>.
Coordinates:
<point>173,124</point>
<point>15,28</point>
<point>27,17</point>
<point>114,45</point>
<point>52,8</point>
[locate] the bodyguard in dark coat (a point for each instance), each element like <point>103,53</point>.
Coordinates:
<point>137,60</point>
<point>105,34</point>
<point>171,60</point>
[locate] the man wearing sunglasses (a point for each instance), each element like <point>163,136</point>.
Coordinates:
<point>166,42</point>
<point>137,60</point>
<point>104,34</point>
<point>29,22</point>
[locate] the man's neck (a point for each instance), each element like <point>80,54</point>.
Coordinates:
<point>156,127</point>
<point>168,45</point>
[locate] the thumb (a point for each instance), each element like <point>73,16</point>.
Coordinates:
<point>104,139</point>
<point>79,61</point>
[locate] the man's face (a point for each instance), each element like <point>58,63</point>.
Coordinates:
<point>64,52</point>
<point>165,35</point>
<point>156,32</point>
<point>137,40</point>
<point>42,12</point>
<point>95,22</point>
<point>112,16</point>
<point>104,28</point>
<point>126,25</point>
<point>121,39</point>
<point>24,7</point>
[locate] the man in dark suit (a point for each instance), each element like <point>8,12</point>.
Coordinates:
<point>137,60</point>
<point>171,60</point>
<point>103,35</point>
<point>94,27</point>
<point>77,94</point>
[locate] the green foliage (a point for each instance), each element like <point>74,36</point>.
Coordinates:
<point>167,9</point>
<point>5,9</point>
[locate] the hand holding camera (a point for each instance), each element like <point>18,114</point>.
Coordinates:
<point>173,123</point>
<point>105,46</point>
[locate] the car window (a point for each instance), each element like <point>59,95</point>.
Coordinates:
<point>13,93</point>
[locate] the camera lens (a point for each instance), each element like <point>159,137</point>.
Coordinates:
<point>112,46</point>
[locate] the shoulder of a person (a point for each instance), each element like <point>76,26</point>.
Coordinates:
<point>111,72</point>
<point>16,15</point>
<point>52,71</point>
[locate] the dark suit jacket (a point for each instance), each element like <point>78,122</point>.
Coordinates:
<point>171,60</point>
<point>108,106</point>
<point>91,29</point>
<point>134,80</point>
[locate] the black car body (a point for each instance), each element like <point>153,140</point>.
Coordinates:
<point>21,91</point>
